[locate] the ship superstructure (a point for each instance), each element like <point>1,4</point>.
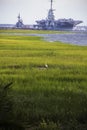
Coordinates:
<point>51,24</point>
<point>19,24</point>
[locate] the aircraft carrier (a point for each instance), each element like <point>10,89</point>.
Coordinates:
<point>50,23</point>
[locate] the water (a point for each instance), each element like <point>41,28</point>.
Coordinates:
<point>72,38</point>
<point>77,38</point>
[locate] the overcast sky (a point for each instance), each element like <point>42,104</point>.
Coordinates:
<point>32,10</point>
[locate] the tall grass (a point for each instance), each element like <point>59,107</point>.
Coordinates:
<point>54,95</point>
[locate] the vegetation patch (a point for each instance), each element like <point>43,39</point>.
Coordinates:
<point>49,83</point>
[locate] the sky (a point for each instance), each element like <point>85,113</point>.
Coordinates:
<point>32,10</point>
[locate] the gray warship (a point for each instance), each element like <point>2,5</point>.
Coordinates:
<point>50,23</point>
<point>19,24</point>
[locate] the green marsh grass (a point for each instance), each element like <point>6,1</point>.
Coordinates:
<point>30,31</point>
<point>56,95</point>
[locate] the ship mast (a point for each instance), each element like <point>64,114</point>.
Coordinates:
<point>19,17</point>
<point>51,4</point>
<point>51,16</point>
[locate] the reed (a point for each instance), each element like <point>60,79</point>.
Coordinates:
<point>56,95</point>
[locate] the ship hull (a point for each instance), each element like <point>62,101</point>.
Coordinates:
<point>60,24</point>
<point>54,25</point>
<point>64,26</point>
